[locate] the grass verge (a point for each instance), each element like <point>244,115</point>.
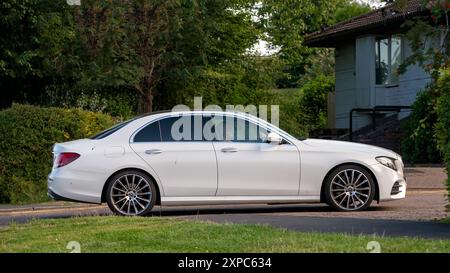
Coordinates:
<point>126,234</point>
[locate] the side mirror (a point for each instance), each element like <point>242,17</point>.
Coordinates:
<point>274,138</point>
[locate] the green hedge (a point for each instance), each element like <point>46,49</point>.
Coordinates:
<point>27,136</point>
<point>443,121</point>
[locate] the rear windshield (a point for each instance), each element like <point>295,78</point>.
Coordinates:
<point>119,126</point>
<point>111,130</point>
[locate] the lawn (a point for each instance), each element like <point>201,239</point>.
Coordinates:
<point>126,234</point>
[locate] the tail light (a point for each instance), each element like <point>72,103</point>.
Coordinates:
<point>63,159</point>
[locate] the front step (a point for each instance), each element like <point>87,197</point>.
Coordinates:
<point>387,133</point>
<point>330,133</point>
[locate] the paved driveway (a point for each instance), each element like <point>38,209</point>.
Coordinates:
<point>414,216</point>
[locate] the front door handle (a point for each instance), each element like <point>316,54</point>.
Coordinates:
<point>153,151</point>
<point>229,150</point>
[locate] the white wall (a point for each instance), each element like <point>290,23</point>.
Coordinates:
<point>352,89</point>
<point>345,83</point>
<point>410,83</point>
<point>355,82</point>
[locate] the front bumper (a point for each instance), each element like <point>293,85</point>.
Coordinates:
<point>391,184</point>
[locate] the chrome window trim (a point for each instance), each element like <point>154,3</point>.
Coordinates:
<point>269,127</point>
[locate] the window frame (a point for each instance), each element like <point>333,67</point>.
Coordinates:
<point>142,128</point>
<point>254,123</point>
<point>110,131</point>
<point>160,131</point>
<point>389,65</point>
<point>286,137</point>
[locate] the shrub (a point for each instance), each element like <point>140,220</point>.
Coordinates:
<point>313,101</point>
<point>118,103</point>
<point>237,82</point>
<point>419,141</point>
<point>27,136</point>
<point>443,120</point>
<point>292,118</point>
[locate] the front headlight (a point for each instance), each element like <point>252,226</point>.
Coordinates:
<point>387,161</point>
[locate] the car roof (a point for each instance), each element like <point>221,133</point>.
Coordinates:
<point>188,112</point>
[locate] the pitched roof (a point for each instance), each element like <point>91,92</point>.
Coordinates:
<point>386,18</point>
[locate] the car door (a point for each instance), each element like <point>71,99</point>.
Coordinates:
<point>248,166</point>
<point>185,167</point>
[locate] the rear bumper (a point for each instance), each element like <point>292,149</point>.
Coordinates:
<point>57,197</point>
<point>62,186</point>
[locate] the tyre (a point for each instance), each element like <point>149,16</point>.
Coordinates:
<point>131,193</point>
<point>349,188</point>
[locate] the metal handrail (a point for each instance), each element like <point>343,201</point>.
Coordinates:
<point>373,111</point>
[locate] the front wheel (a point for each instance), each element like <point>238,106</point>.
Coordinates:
<point>131,193</point>
<point>349,188</point>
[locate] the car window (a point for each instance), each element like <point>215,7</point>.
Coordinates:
<point>228,128</point>
<point>202,128</point>
<point>247,131</point>
<point>150,133</point>
<point>166,128</point>
<point>184,128</point>
<point>111,130</point>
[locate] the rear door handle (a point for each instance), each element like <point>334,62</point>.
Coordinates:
<point>229,150</point>
<point>153,151</point>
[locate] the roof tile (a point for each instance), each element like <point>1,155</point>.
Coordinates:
<point>388,14</point>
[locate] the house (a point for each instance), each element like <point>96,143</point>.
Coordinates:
<point>368,50</point>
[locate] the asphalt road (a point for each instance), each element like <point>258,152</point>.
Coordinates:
<point>414,216</point>
<point>303,218</point>
<point>353,226</point>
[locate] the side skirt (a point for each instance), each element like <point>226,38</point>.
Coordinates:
<point>223,200</point>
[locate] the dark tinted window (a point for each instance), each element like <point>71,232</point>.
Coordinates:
<point>166,128</point>
<point>111,130</point>
<point>149,133</point>
<point>206,128</point>
<point>237,130</point>
<point>246,131</point>
<point>184,128</point>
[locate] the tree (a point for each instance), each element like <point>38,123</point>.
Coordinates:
<point>429,39</point>
<point>348,9</point>
<point>286,23</point>
<point>146,45</point>
<point>213,36</point>
<point>121,44</point>
<point>22,73</point>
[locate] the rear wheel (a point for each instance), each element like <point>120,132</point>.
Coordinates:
<point>131,193</point>
<point>349,188</point>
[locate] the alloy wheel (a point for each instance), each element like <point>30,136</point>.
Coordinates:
<point>350,189</point>
<point>131,194</point>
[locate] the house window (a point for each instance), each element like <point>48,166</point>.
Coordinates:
<point>388,52</point>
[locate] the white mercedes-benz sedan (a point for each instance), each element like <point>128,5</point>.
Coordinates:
<point>212,157</point>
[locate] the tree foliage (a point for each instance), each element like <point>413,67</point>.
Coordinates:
<point>286,23</point>
<point>419,141</point>
<point>429,39</point>
<point>23,74</point>
<point>138,46</point>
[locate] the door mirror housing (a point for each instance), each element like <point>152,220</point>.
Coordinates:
<point>274,138</point>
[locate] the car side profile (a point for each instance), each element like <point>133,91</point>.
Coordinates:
<point>213,157</point>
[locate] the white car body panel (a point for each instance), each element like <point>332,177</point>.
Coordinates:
<point>257,169</point>
<point>194,162</point>
<point>191,173</point>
